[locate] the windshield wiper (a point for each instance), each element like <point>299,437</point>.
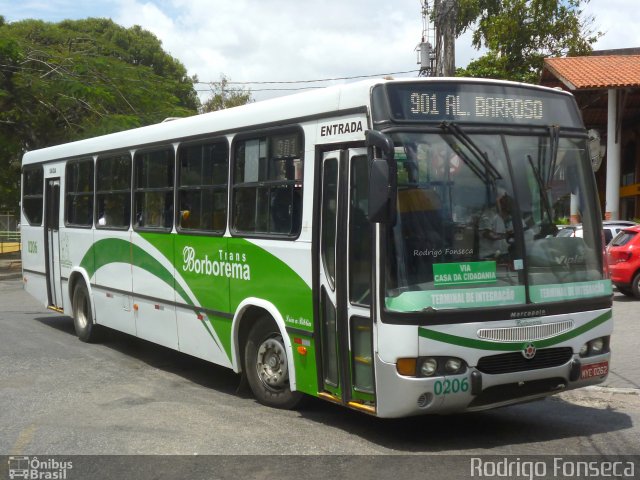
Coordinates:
<point>544,184</point>
<point>554,140</point>
<point>545,199</point>
<point>480,156</point>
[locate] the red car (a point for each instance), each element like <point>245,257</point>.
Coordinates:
<point>623,257</point>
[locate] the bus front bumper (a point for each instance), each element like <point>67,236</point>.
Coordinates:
<point>400,396</point>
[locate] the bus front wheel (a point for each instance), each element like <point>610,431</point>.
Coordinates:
<point>86,329</point>
<point>267,368</point>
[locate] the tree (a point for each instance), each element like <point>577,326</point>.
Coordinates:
<point>520,34</point>
<point>75,79</point>
<point>225,97</point>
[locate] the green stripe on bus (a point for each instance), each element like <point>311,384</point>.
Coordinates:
<point>115,250</point>
<point>511,346</point>
<point>290,294</point>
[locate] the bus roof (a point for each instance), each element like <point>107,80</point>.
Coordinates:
<point>330,100</point>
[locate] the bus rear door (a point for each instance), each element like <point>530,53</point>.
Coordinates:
<point>51,242</point>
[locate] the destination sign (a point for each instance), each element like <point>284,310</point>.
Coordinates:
<point>484,103</point>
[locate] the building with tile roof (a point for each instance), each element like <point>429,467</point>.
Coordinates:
<point>606,86</point>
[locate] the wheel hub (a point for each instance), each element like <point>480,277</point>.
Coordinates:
<point>271,363</point>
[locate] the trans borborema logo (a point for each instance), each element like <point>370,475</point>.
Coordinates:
<point>230,265</point>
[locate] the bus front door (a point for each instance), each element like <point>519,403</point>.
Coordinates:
<point>51,243</point>
<point>344,276</point>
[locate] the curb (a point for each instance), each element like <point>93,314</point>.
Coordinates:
<point>621,390</point>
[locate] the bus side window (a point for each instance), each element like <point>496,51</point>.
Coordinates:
<point>359,234</point>
<point>154,188</point>
<point>202,184</point>
<point>79,198</point>
<point>267,185</point>
<point>113,191</point>
<point>285,210</point>
<point>32,194</point>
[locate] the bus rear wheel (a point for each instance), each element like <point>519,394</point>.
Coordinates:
<point>267,368</point>
<point>86,329</point>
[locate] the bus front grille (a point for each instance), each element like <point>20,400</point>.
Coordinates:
<point>525,333</point>
<point>515,362</point>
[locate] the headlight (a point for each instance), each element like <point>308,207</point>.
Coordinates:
<point>596,346</point>
<point>429,367</point>
<point>453,365</point>
<point>584,349</point>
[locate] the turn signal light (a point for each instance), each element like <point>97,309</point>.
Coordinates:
<point>406,366</point>
<point>424,367</point>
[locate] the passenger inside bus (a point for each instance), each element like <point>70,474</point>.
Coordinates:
<point>284,208</point>
<point>492,232</point>
<point>114,210</point>
<point>420,217</point>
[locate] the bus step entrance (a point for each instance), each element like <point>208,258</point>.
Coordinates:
<point>330,397</point>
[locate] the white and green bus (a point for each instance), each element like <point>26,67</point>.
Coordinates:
<point>386,245</point>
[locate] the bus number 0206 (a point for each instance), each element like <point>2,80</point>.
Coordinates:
<point>445,387</point>
<point>423,103</point>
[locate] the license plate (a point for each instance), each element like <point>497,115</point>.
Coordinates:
<point>594,370</point>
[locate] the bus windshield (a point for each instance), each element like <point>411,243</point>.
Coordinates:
<point>476,222</point>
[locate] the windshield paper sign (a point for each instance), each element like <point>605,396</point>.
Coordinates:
<point>568,291</point>
<point>467,298</point>
<point>466,273</point>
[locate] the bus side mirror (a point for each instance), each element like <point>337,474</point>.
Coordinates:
<point>379,191</point>
<point>382,178</point>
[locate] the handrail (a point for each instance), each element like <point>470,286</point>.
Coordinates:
<point>9,236</point>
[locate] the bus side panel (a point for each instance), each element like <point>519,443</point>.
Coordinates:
<point>112,281</point>
<point>280,272</point>
<point>202,286</point>
<point>153,288</point>
<point>33,267</point>
<point>75,250</point>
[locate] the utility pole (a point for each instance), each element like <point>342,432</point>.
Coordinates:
<point>445,14</point>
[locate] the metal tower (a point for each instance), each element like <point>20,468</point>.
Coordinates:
<point>426,53</point>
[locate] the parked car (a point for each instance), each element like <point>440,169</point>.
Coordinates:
<point>623,257</point>
<point>610,229</point>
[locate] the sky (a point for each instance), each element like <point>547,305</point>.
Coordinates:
<point>293,40</point>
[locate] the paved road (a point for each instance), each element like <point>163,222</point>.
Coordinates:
<point>127,396</point>
<point>625,362</point>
